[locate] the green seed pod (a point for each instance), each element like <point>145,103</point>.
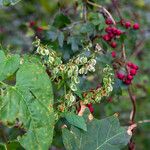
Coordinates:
<point>73,87</point>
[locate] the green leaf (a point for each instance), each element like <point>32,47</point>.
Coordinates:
<point>76,120</point>
<point>52,35</point>
<point>14,146</point>
<point>105,134</point>
<point>75,41</point>
<point>61,21</point>
<point>8,2</point>
<point>61,39</point>
<point>87,28</point>
<point>8,65</point>
<point>30,101</point>
<point>3,147</point>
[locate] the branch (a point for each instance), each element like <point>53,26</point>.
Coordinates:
<point>104,10</point>
<point>117,9</point>
<point>133,100</point>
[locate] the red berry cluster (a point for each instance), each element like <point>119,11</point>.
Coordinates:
<point>127,78</point>
<point>33,24</point>
<point>127,25</point>
<point>112,33</point>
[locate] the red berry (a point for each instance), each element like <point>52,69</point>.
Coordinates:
<point>135,67</point>
<point>127,24</point>
<point>32,23</point>
<point>106,37</point>
<point>113,54</point>
<point>114,30</point>
<point>111,35</point>
<point>127,82</point>
<point>39,29</point>
<point>136,26</point>
<point>113,44</point>
<point>118,32</point>
<point>90,108</point>
<point>129,64</point>
<point>108,29</point>
<point>129,77</point>
<point>120,76</point>
<point>108,21</point>
<point>133,72</point>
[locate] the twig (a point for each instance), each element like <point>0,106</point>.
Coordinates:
<point>143,121</point>
<point>123,52</point>
<point>117,9</point>
<point>104,9</point>
<point>84,11</point>
<point>133,100</point>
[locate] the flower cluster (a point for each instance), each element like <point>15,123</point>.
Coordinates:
<point>95,95</point>
<point>70,72</point>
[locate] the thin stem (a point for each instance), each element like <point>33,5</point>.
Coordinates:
<point>84,11</point>
<point>133,100</point>
<point>143,121</point>
<point>104,9</point>
<point>123,52</point>
<point>3,83</point>
<point>117,9</point>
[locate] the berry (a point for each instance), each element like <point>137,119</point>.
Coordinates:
<point>108,29</point>
<point>127,81</point>
<point>90,106</point>
<point>113,54</point>
<point>32,23</point>
<point>136,26</point>
<point>39,29</point>
<point>113,44</point>
<point>108,21</point>
<point>127,24</point>
<point>120,76</point>
<point>133,72</point>
<point>118,32</point>
<point>106,37</point>
<point>129,64</point>
<point>114,30</point>
<point>129,77</point>
<point>135,67</point>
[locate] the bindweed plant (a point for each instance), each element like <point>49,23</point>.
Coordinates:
<point>41,89</point>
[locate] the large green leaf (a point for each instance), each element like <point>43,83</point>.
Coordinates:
<point>8,2</point>
<point>105,134</point>
<point>8,65</point>
<point>30,101</point>
<point>76,120</point>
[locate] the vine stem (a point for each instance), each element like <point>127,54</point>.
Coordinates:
<point>131,145</point>
<point>104,9</point>
<point>114,2</point>
<point>133,100</point>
